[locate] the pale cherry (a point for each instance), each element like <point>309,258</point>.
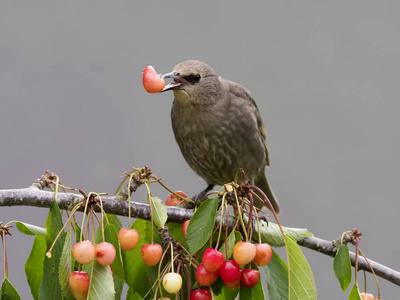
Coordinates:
<point>244,253</point>
<point>172,282</point>
<point>151,254</point>
<point>79,282</point>
<point>104,253</point>
<point>83,252</point>
<point>128,238</point>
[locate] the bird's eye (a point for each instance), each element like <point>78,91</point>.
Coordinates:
<point>193,78</point>
<point>196,78</point>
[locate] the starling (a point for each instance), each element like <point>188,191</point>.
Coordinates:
<point>218,128</point>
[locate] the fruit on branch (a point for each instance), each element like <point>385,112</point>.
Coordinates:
<point>128,238</point>
<point>205,277</point>
<point>212,259</point>
<point>244,252</point>
<point>202,294</point>
<point>233,285</point>
<point>83,252</point>
<point>151,254</point>
<point>184,227</point>
<point>174,200</point>
<point>367,296</point>
<point>250,277</point>
<point>263,254</point>
<point>229,271</point>
<point>172,282</point>
<point>79,282</point>
<point>104,253</point>
<point>152,81</point>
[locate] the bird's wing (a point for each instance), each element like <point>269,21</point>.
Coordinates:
<point>241,92</point>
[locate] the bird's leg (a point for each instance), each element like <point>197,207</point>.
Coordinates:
<point>201,195</point>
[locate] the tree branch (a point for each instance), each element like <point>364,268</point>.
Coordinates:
<point>35,196</point>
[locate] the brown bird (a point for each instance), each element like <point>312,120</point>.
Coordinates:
<point>218,128</point>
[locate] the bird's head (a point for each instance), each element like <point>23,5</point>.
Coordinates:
<point>194,82</point>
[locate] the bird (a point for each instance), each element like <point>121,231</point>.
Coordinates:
<point>218,128</point>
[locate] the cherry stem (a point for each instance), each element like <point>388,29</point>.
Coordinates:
<point>249,225</point>
<point>252,187</point>
<point>356,260</point>
<point>151,210</point>
<point>3,238</point>
<point>220,227</point>
<point>129,200</point>
<point>65,225</point>
<point>84,214</point>
<point>226,233</point>
<point>373,272</point>
<point>240,215</point>
<point>102,218</point>
<point>93,232</point>
<point>172,257</point>
<point>188,281</point>
<point>259,231</point>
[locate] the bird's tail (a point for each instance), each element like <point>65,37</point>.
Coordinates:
<point>262,182</point>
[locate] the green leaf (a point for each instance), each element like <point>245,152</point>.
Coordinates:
<point>271,234</point>
<point>301,280</point>
<point>140,277</point>
<point>113,219</point>
<point>34,265</point>
<point>277,278</point>
<point>101,283</point>
<point>201,225</point>
<point>159,211</point>
<point>227,294</point>
<point>355,293</point>
<point>131,295</point>
<point>342,266</point>
<point>111,236</point>
<point>233,238</point>
<point>118,286</point>
<point>64,269</point>
<point>30,229</point>
<point>50,286</point>
<point>175,229</point>
<point>8,292</point>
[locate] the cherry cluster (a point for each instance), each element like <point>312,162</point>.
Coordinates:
<point>231,271</point>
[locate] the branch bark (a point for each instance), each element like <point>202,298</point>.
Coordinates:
<point>35,196</point>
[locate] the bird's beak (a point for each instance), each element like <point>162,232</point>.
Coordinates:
<point>178,82</point>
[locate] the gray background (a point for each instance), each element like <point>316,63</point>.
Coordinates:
<point>325,76</point>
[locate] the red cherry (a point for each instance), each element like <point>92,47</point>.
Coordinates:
<point>204,277</point>
<point>202,294</point>
<point>174,200</point>
<point>83,252</point>
<point>104,253</point>
<point>184,227</point>
<point>212,259</point>
<point>151,254</point>
<point>128,238</point>
<point>244,253</point>
<point>233,285</point>
<point>229,271</point>
<point>250,277</point>
<point>152,82</point>
<point>263,254</point>
<point>79,282</point>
